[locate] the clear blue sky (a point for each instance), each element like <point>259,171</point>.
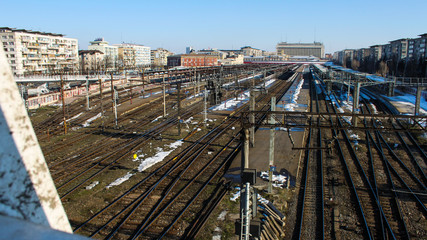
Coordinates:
<point>222,24</point>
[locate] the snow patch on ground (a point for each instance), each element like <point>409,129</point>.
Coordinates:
<point>157,118</point>
<point>278,179</point>
<point>291,97</point>
<point>222,215</point>
<point>160,155</point>
<point>236,195</point>
<point>70,119</point>
<point>92,185</point>
<point>121,180</point>
<point>233,103</point>
<point>90,120</point>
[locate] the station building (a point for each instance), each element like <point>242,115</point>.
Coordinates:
<point>33,52</point>
<point>301,49</point>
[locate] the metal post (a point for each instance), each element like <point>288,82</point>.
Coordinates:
<point>63,103</point>
<point>246,150</point>
<point>87,94</point>
<point>236,85</point>
<point>143,84</point>
<point>164,97</point>
<point>179,108</point>
<point>246,213</point>
<point>391,89</point>
<point>265,75</point>
<point>252,118</point>
<point>348,91</point>
<point>198,83</point>
<point>130,90</point>
<point>102,106</point>
<point>356,102</point>
<point>418,100</point>
<point>271,149</point>
<point>112,92</point>
<point>206,110</point>
<point>115,93</point>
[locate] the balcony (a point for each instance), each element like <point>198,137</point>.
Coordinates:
<point>33,46</point>
<point>53,46</point>
<point>33,57</point>
<point>26,63</point>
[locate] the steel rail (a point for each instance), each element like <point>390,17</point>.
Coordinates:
<point>359,208</point>
<point>174,167</point>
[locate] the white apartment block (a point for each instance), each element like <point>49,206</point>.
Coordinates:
<point>134,55</point>
<point>33,52</point>
<point>111,53</point>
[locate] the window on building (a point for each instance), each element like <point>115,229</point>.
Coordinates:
<point>4,37</point>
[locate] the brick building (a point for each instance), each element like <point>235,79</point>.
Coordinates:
<point>192,60</point>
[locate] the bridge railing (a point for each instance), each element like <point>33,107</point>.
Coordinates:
<point>410,81</point>
<point>41,78</point>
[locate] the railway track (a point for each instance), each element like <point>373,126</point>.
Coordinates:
<point>310,219</point>
<point>385,176</point>
<point>147,212</point>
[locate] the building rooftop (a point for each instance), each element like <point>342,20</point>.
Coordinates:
<point>89,51</point>
<point>314,43</point>
<point>7,29</point>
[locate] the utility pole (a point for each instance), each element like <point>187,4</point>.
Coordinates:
<point>63,103</point>
<point>164,97</point>
<point>130,90</point>
<point>252,117</point>
<point>102,106</point>
<point>179,108</point>
<point>112,92</point>
<point>115,93</point>
<point>87,94</point>
<point>198,83</point>
<point>206,110</point>
<point>271,155</point>
<point>143,83</point>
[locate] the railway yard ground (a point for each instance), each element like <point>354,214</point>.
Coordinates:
<point>169,170</point>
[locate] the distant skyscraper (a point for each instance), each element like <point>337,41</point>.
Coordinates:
<point>188,50</point>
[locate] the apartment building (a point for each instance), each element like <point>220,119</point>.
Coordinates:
<point>91,61</point>
<point>401,57</point>
<point>399,48</point>
<point>133,56</point>
<point>111,53</point>
<point>159,57</point>
<point>250,51</point>
<point>33,52</point>
<point>362,54</point>
<point>301,49</point>
<point>417,47</point>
